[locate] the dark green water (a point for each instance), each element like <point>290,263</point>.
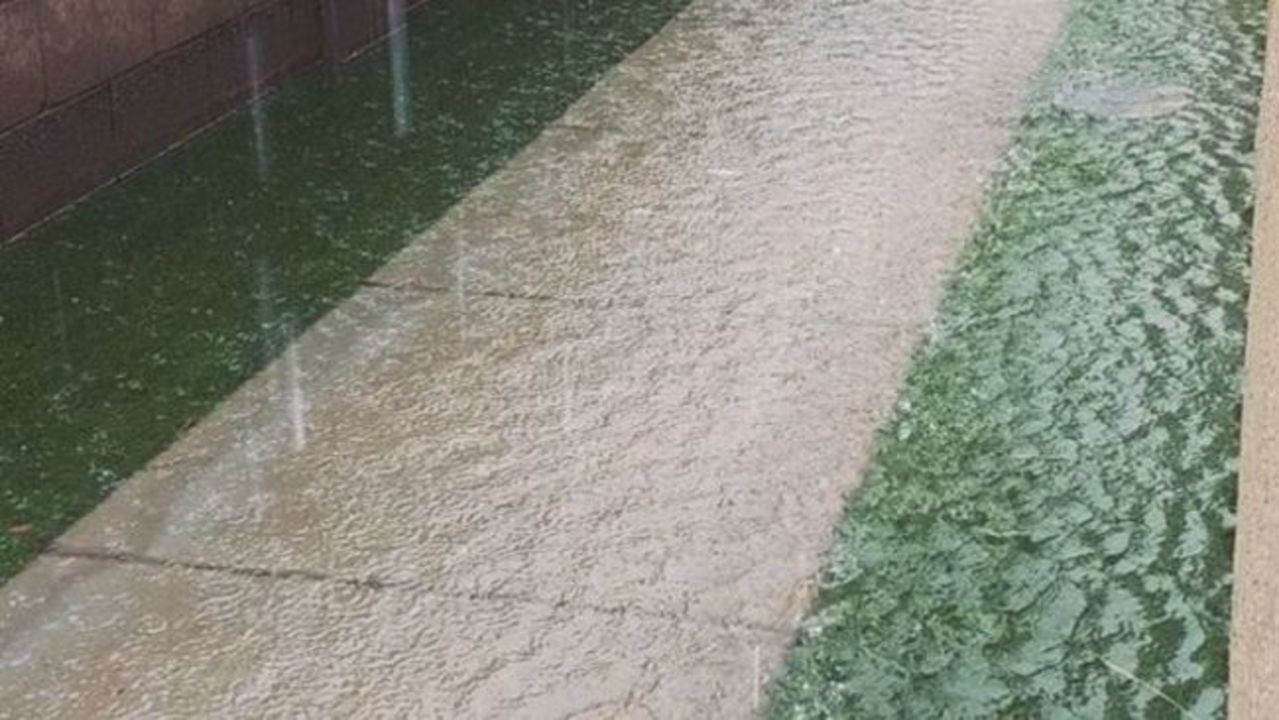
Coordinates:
<point>1046,529</point>
<point>129,318</point>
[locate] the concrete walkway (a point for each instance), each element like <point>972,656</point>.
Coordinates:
<point>577,450</point>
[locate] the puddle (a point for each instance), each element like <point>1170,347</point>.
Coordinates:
<point>1122,98</point>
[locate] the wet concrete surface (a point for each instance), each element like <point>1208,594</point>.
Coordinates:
<point>576,450</point>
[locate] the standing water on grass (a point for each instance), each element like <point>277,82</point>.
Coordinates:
<point>1046,529</point>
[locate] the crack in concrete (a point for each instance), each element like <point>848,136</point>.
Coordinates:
<point>613,302</point>
<point>132,558</point>
<point>125,557</point>
<point>413,287</point>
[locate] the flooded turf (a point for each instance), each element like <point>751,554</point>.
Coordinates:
<point>129,318</point>
<point>1046,531</point>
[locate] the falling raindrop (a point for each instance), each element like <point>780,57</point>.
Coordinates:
<point>459,273</point>
<point>398,42</point>
<point>266,308</point>
<point>287,378</point>
<point>62,322</point>
<point>257,108</point>
<point>566,34</point>
<point>296,395</point>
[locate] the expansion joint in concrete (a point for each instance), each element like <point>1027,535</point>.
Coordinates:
<point>131,558</point>
<point>372,583</point>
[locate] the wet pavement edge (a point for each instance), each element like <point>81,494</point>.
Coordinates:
<point>1254,642</point>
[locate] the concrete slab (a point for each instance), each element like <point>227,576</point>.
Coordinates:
<point>680,175</point>
<point>610,401</point>
<point>204,642</point>
<point>551,451</point>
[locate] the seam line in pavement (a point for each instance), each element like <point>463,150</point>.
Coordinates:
<point>410,287</point>
<point>372,583</point>
<point>159,462</point>
<point>130,558</point>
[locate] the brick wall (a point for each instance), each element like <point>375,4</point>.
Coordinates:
<point>92,88</point>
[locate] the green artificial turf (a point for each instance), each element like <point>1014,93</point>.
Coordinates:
<point>1046,527</point>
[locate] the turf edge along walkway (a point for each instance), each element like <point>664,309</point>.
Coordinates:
<point>1046,529</point>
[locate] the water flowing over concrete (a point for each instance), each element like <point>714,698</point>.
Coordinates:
<point>577,450</point>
